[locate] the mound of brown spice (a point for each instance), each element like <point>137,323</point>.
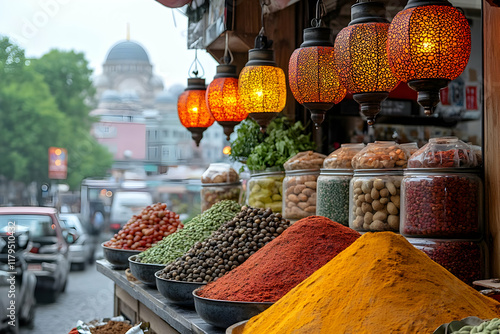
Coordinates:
<point>283,263</point>
<point>379,284</point>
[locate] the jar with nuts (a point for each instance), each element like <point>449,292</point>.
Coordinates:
<point>264,190</point>
<point>466,259</point>
<point>375,200</point>
<point>299,187</point>
<point>380,154</point>
<point>441,202</point>
<point>333,194</point>
<point>444,152</point>
<point>219,182</point>
<point>342,157</point>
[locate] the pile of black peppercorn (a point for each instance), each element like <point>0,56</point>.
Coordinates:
<point>228,247</point>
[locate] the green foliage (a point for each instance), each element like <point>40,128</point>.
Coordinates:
<point>283,139</point>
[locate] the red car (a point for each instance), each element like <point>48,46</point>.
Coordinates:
<point>48,256</point>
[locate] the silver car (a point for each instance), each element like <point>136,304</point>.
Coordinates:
<point>81,251</point>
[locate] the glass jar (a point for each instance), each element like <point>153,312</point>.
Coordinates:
<point>440,202</point>
<point>380,155</point>
<point>466,259</point>
<point>212,193</point>
<point>410,148</point>
<point>299,187</point>
<point>264,190</point>
<point>444,152</point>
<point>342,157</point>
<point>333,194</point>
<point>219,173</point>
<point>375,200</point>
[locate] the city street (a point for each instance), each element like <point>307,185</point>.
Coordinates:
<point>89,295</point>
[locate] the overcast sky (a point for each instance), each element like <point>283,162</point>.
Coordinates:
<point>94,26</point>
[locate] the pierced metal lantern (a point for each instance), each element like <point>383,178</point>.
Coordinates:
<point>223,99</point>
<point>262,84</point>
<point>192,109</point>
<point>361,57</point>
<point>312,74</point>
<point>428,45</point>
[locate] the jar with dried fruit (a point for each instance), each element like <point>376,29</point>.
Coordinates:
<point>264,190</point>
<point>375,200</point>
<point>219,182</point>
<point>466,259</point>
<point>441,202</point>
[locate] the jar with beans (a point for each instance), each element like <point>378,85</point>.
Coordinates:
<point>441,202</point>
<point>264,190</point>
<point>333,194</point>
<point>299,187</point>
<point>444,152</point>
<point>375,200</point>
<point>219,182</point>
<point>466,259</point>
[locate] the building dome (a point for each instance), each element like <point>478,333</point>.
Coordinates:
<point>127,51</point>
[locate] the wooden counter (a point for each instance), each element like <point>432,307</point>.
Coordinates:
<point>139,302</point>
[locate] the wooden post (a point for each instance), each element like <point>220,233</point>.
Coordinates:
<point>491,147</point>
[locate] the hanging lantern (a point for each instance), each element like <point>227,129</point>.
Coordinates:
<point>262,84</point>
<point>192,109</point>
<point>312,73</point>
<point>428,45</point>
<point>361,57</point>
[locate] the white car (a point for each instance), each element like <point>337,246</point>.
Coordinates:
<point>82,250</point>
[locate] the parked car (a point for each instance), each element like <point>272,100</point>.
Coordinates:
<point>12,251</point>
<point>82,250</point>
<point>125,205</point>
<point>48,255</point>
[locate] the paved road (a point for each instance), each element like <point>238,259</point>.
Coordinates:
<point>89,295</point>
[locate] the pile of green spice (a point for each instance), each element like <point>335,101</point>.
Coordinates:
<point>284,262</point>
<point>198,229</point>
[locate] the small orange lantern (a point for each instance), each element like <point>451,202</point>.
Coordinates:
<point>192,109</point>
<point>361,57</point>
<point>312,74</point>
<point>428,45</point>
<point>223,99</point>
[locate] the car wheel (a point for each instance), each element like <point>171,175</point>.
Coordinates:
<point>29,321</point>
<point>63,289</point>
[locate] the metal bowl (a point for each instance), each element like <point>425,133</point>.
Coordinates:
<point>237,328</point>
<point>118,257</point>
<point>177,292</point>
<point>144,272</point>
<point>224,313</point>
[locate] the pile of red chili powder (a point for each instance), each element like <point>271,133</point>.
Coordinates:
<point>283,263</point>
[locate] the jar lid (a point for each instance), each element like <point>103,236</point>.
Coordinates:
<point>428,171</point>
<point>203,185</point>
<point>380,171</point>
<point>268,173</point>
<point>302,171</point>
<point>336,171</point>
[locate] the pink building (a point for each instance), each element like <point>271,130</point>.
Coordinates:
<point>124,140</point>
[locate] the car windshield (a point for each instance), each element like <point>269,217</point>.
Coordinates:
<point>71,222</point>
<point>38,225</point>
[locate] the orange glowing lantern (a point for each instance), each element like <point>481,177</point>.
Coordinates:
<point>361,57</point>
<point>428,45</point>
<point>312,74</point>
<point>223,99</point>
<point>192,109</point>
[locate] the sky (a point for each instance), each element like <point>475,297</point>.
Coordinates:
<point>94,26</point>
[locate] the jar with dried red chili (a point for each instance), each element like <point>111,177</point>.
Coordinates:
<point>444,152</point>
<point>441,203</point>
<point>466,259</point>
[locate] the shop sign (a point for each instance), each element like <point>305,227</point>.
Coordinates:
<point>471,97</point>
<point>58,163</point>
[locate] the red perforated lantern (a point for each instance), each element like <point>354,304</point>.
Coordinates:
<point>192,109</point>
<point>361,57</point>
<point>223,99</point>
<point>312,74</point>
<point>428,45</point>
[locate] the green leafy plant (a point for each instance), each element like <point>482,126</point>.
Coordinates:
<point>283,139</point>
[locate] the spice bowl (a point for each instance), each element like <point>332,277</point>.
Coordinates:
<point>144,272</point>
<point>118,257</point>
<point>224,313</point>
<point>237,328</point>
<point>176,292</point>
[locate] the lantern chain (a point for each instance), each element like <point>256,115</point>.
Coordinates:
<point>228,55</point>
<point>320,11</point>
<point>194,67</point>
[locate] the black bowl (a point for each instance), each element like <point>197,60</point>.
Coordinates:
<point>118,257</point>
<point>237,328</point>
<point>224,313</point>
<point>177,292</point>
<point>144,272</point>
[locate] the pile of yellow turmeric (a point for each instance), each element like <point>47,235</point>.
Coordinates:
<point>379,284</point>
